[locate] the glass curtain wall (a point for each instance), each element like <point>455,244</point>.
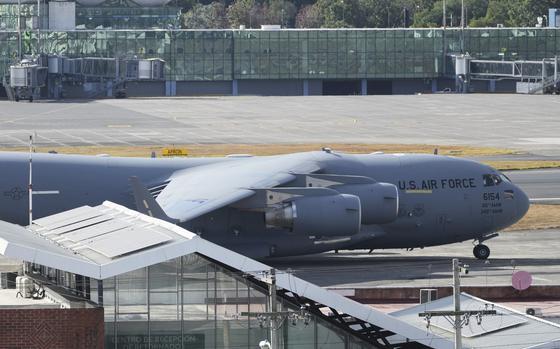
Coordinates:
<point>128,17</point>
<point>190,302</point>
<point>222,55</point>
<point>9,16</point>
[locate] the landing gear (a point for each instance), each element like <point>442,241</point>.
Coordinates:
<point>481,251</point>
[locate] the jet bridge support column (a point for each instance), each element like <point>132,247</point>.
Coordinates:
<point>434,86</point>
<point>462,73</point>
<point>492,85</point>
<point>306,87</point>
<point>170,88</point>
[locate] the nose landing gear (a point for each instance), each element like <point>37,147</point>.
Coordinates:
<point>481,251</point>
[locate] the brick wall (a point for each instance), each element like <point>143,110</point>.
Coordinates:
<point>51,328</point>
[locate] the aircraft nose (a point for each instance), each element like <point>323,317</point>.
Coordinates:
<point>521,202</point>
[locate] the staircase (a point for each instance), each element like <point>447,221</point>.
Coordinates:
<point>545,85</point>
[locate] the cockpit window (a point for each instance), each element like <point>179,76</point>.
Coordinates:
<point>505,178</point>
<point>491,180</point>
<point>497,179</point>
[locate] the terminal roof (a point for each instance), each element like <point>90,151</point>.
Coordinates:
<point>507,329</point>
<point>107,240</point>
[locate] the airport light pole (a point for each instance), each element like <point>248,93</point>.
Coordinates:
<point>274,318</point>
<point>273,308</point>
<point>457,302</point>
<point>30,186</point>
<point>19,29</point>
<point>462,14</point>
<point>457,317</point>
<point>444,22</point>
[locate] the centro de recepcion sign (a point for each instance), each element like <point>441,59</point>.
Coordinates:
<point>190,341</point>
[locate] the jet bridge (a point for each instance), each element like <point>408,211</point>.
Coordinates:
<point>532,76</point>
<point>99,76</point>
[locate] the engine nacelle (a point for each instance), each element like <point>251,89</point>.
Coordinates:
<point>379,201</point>
<point>329,215</point>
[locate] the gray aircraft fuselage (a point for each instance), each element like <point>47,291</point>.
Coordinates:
<point>442,199</point>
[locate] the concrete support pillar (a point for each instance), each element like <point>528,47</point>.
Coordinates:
<point>306,87</point>
<point>171,88</point>
<point>492,85</point>
<point>109,89</point>
<point>234,88</point>
<point>100,292</point>
<point>434,86</point>
<point>364,87</point>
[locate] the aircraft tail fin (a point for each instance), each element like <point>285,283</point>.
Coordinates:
<point>145,202</point>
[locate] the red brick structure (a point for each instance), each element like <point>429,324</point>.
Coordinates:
<point>26,328</point>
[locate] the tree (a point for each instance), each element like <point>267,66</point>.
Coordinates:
<point>514,13</point>
<point>524,13</point>
<point>309,16</point>
<point>429,16</point>
<point>281,12</point>
<point>206,16</point>
<point>496,13</point>
<point>432,16</point>
<point>245,12</point>
<point>340,13</point>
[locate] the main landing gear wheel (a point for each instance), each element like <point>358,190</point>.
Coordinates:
<point>481,251</point>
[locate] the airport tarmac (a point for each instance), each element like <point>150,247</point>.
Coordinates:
<point>528,123</point>
<point>505,121</point>
<point>533,251</point>
<point>538,184</point>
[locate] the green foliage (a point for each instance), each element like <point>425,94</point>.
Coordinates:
<point>309,16</point>
<point>362,13</point>
<point>281,12</point>
<point>206,16</point>
<point>243,12</point>
<point>339,13</point>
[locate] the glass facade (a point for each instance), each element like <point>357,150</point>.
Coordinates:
<point>191,302</point>
<point>222,55</point>
<point>128,17</point>
<point>9,16</point>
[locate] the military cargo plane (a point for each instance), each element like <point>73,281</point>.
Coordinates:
<point>282,205</point>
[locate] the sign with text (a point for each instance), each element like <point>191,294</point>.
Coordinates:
<point>158,341</point>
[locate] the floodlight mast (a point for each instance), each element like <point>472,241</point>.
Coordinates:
<point>444,22</point>
<point>30,186</point>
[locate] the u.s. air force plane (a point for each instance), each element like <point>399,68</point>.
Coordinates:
<point>282,205</point>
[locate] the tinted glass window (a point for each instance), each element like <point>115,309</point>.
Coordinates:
<point>497,180</point>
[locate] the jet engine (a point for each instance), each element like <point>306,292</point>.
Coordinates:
<point>379,201</point>
<point>329,215</point>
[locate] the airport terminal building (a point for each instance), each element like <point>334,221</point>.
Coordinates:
<point>254,61</point>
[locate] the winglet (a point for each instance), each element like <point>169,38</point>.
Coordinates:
<point>145,202</point>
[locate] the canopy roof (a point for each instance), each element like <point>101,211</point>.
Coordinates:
<point>108,240</point>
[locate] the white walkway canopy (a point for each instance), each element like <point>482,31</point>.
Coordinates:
<point>108,240</point>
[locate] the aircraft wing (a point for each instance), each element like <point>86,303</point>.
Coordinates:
<point>195,191</point>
